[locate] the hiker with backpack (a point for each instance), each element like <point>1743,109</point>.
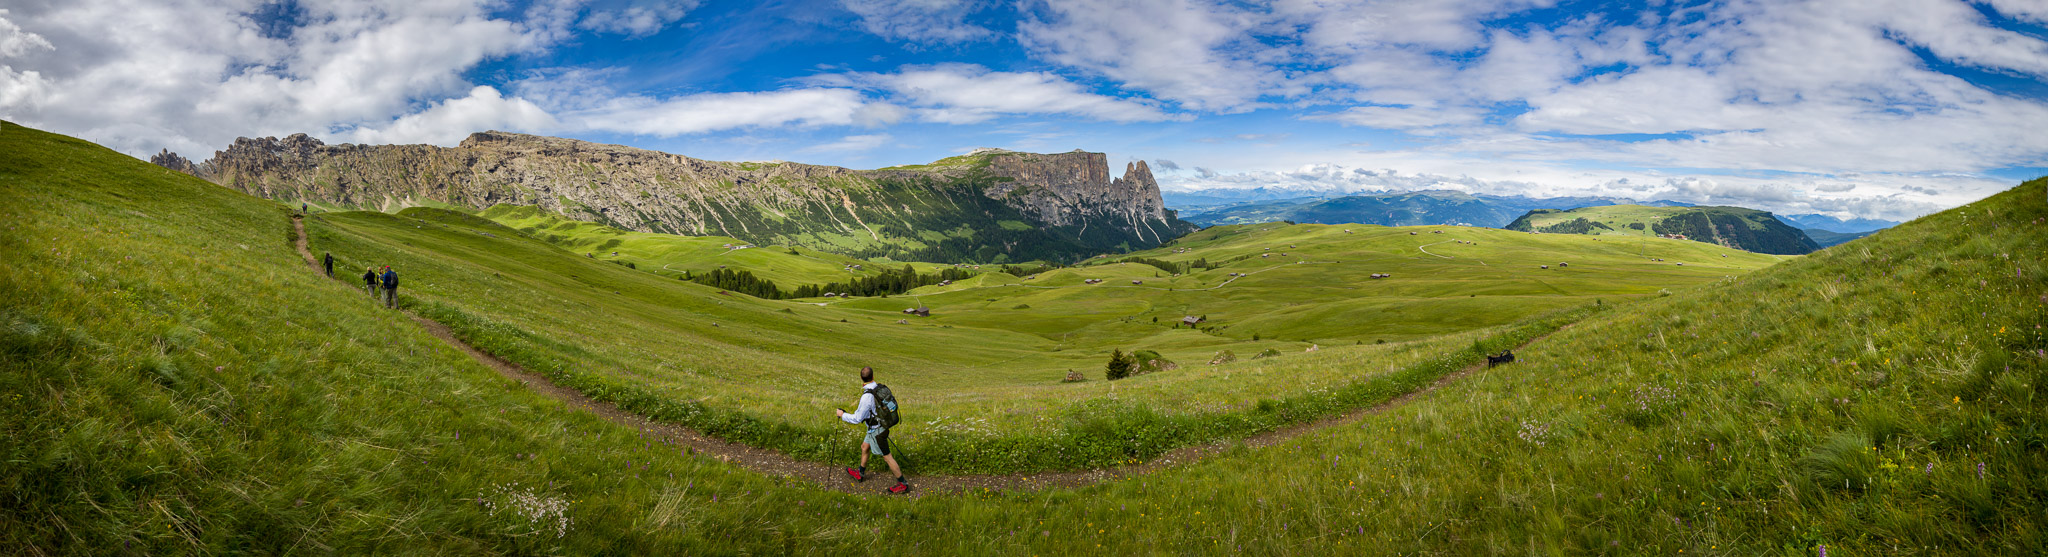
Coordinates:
<point>370,281</point>
<point>877,410</point>
<point>390,288</point>
<point>330,265</point>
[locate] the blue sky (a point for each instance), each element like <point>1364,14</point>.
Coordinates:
<point>1869,108</point>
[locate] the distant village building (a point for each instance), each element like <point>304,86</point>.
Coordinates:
<point>1136,281</point>
<point>919,311</point>
<point>1191,321</point>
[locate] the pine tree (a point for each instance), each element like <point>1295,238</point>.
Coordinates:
<point>1119,365</point>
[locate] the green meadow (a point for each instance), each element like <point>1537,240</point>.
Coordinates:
<point>174,380</point>
<point>558,297</point>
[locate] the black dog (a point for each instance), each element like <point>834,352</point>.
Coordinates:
<point>1505,357</point>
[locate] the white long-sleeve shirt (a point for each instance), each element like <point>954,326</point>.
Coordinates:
<point>867,406</point>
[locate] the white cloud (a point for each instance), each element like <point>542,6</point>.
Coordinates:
<point>921,21</point>
<point>15,42</point>
<point>852,143</point>
<point>2027,10</point>
<point>706,112</point>
<point>635,21</point>
<point>448,122</point>
<point>1191,52</point>
<point>193,75</point>
<point>1400,118</point>
<point>966,94</point>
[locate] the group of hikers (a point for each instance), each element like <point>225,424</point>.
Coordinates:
<point>371,280</point>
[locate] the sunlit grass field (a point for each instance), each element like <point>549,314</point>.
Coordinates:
<point>172,380</point>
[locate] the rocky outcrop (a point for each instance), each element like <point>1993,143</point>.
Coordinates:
<point>988,206</point>
<point>168,159</point>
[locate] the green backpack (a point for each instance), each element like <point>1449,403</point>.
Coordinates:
<point>885,406</point>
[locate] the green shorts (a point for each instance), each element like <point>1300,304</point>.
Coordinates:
<point>877,441</point>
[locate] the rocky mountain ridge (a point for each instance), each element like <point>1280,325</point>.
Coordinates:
<point>980,207</point>
<point>1734,227</point>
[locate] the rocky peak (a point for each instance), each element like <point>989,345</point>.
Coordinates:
<point>1070,199</point>
<point>168,159</point>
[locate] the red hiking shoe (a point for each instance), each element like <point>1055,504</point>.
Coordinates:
<point>900,488</point>
<point>856,474</point>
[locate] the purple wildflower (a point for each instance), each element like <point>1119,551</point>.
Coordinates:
<point>1823,550</point>
<point>1929,470</point>
<point>1980,470</point>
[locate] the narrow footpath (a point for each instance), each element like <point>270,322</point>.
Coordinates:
<point>832,476</point>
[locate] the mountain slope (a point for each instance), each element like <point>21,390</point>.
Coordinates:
<point>1395,209</point>
<point>1735,227</point>
<point>990,206</point>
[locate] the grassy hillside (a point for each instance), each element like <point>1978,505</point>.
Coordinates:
<point>672,255</point>
<point>1734,227</point>
<point>173,380</point>
<point>210,395</point>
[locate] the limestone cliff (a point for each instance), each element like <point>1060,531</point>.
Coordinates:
<point>988,206</point>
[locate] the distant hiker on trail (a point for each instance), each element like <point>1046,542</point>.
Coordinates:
<point>302,208</point>
<point>390,288</point>
<point>330,265</point>
<point>370,281</point>
<point>877,409</point>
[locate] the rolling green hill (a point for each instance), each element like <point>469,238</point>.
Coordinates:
<point>173,380</point>
<point>1734,227</point>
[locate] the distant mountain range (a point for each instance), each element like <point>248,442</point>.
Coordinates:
<point>1734,227</point>
<point>1389,209</point>
<point>989,206</point>
<point>1830,231</point>
<point>1824,222</point>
